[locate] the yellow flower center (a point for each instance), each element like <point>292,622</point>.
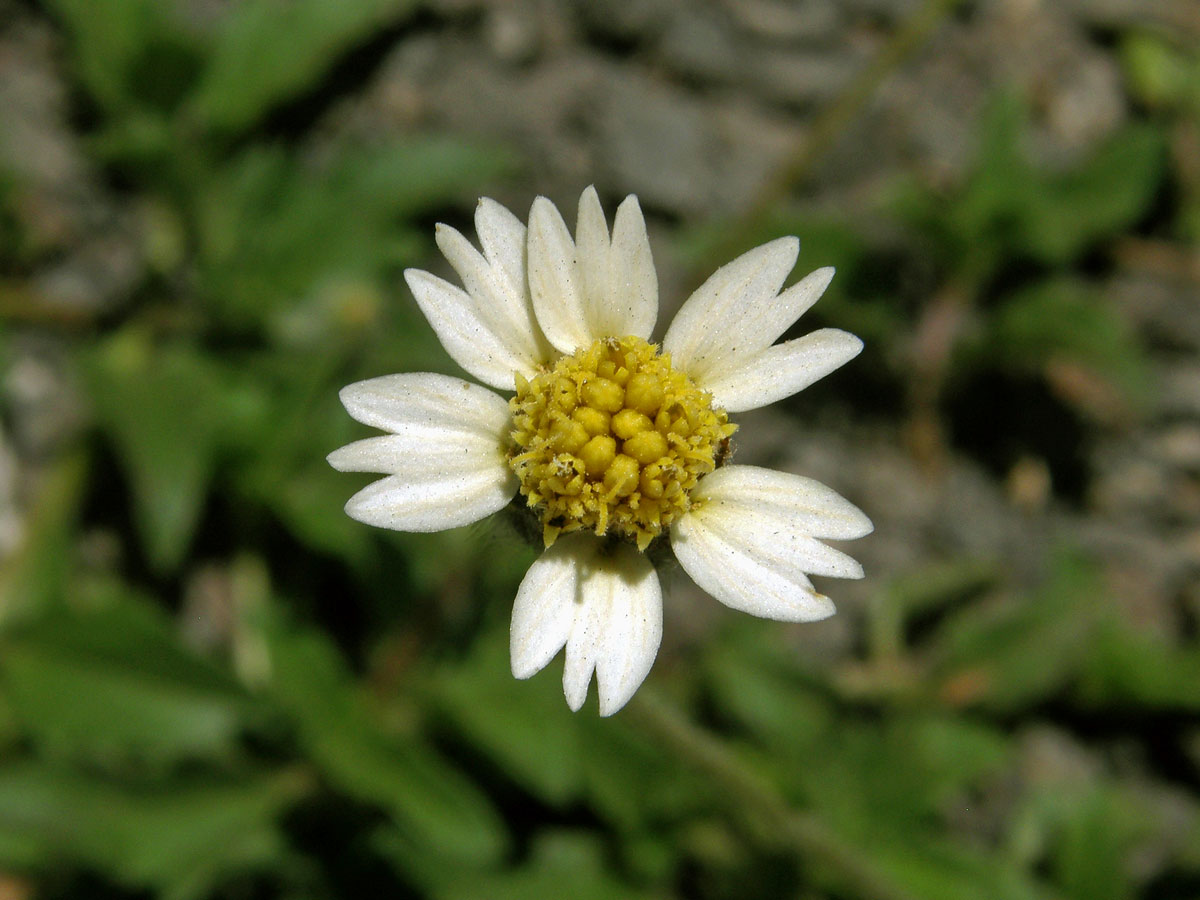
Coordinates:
<point>612,439</point>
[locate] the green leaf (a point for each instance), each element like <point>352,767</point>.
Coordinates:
<point>1008,208</point>
<point>1160,74</point>
<point>181,839</point>
<point>431,802</point>
<point>1057,320</point>
<point>1125,668</point>
<point>940,870</point>
<point>632,780</point>
<point>34,576</point>
<point>267,242</point>
<point>1007,655</point>
<point>113,683</point>
<point>753,683</point>
<point>558,859</point>
<point>288,420</point>
<point>1092,858</point>
<point>523,726</point>
<point>163,408</point>
<point>268,52</point>
<point>108,38</point>
<point>1091,832</point>
<point>1107,194</point>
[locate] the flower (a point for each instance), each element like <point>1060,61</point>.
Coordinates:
<point>613,442</point>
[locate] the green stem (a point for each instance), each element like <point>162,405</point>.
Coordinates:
<point>761,806</point>
<point>830,122</point>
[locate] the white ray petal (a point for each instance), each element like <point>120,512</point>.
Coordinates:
<point>632,305</point>
<point>595,286</point>
<point>582,649</point>
<point>502,237</point>
<point>488,327</point>
<point>805,505</point>
<point>444,460</point>
<point>472,335</point>
<point>553,279</point>
<point>544,610</point>
<point>423,500</point>
<point>766,318</point>
<point>700,335</point>
<point>422,399</point>
<point>780,370</point>
<point>604,606</point>
<point>593,249</point>
<point>748,541</point>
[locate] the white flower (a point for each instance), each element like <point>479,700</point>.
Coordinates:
<point>613,441</point>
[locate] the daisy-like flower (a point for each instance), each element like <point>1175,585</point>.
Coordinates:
<point>612,442</point>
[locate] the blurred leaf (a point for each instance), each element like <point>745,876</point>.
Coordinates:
<point>632,780</point>
<point>107,40</point>
<point>944,759</point>
<point>309,503</point>
<point>1058,320</point>
<point>940,870</point>
<point>34,575</point>
<point>433,804</point>
<point>1008,655</point>
<point>523,726</point>
<point>1109,192</point>
<point>1096,833</point>
<point>115,682</point>
<point>558,860</point>
<point>144,143</point>
<point>12,238</point>
<point>1127,668</point>
<point>268,52</point>
<point>922,592</point>
<point>288,420</point>
<point>986,214</point>
<point>1007,207</point>
<point>274,232</point>
<point>1161,74</point>
<point>885,789</point>
<point>180,839</point>
<point>1092,860</point>
<point>752,682</point>
<point>163,408</point>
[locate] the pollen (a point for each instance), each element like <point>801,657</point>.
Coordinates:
<point>613,440</point>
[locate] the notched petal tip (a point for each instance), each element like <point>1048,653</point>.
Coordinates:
<point>542,206</point>
<point>604,610</point>
<point>779,254</point>
<point>823,274</point>
<point>788,241</point>
<point>614,704</point>
<point>576,699</point>
<point>753,540</point>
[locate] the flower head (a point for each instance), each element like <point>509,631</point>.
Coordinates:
<point>612,442</point>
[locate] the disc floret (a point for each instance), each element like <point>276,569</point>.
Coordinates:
<point>612,439</point>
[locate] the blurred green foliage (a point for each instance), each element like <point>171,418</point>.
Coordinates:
<point>214,684</point>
